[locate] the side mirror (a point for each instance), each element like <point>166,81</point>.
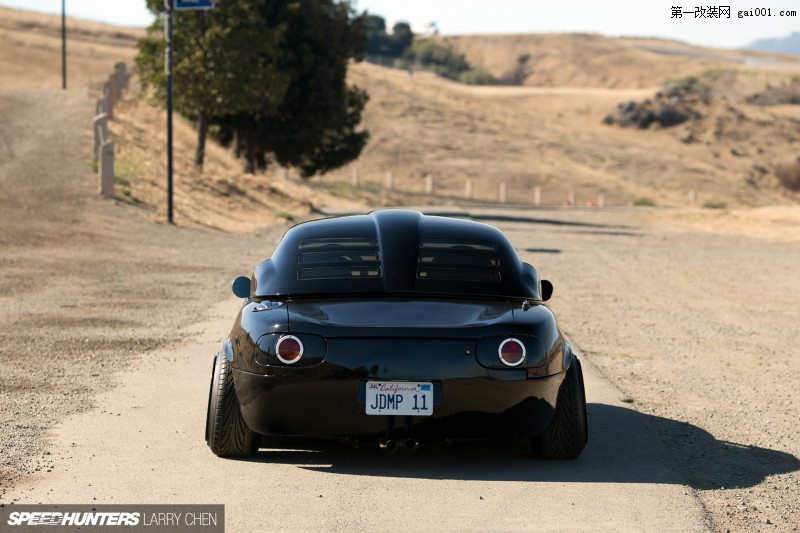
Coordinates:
<point>547,290</point>
<point>241,287</point>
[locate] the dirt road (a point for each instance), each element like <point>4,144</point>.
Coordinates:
<point>696,331</point>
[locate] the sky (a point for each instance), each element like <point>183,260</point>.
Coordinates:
<point>650,18</point>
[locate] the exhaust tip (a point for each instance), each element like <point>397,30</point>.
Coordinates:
<point>388,446</point>
<point>410,445</point>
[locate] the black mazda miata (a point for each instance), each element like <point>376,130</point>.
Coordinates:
<point>396,328</point>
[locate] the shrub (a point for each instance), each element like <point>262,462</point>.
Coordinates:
<point>477,76</point>
<point>789,176</point>
<point>643,202</point>
<point>714,204</point>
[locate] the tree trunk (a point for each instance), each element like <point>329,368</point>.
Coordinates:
<point>250,156</point>
<point>202,132</point>
<point>238,148</point>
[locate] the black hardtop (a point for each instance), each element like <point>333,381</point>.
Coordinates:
<point>395,252</point>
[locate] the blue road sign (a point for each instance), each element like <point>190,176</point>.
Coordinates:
<point>185,5</point>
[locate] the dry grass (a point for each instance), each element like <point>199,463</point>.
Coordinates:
<point>219,195</point>
<point>555,139</point>
<point>30,50</point>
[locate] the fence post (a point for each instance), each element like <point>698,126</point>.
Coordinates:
<point>356,178</point>
<point>601,200</point>
<point>537,195</point>
<point>429,184</point>
<point>100,106</point>
<point>468,188</point>
<point>503,192</point>
<point>116,84</point>
<point>571,199</point>
<point>390,180</point>
<point>106,169</point>
<point>108,94</point>
<point>100,123</point>
<point>692,197</point>
<point>124,78</point>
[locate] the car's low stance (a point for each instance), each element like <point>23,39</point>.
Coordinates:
<point>398,328</point>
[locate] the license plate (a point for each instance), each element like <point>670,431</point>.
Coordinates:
<point>399,398</point>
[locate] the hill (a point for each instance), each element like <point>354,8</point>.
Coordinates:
<point>549,133</point>
<point>555,138</point>
<point>789,44</point>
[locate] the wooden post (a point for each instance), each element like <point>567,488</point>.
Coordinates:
<point>503,192</point>
<point>121,70</point>
<point>100,106</point>
<point>429,184</point>
<point>601,200</point>
<point>109,96</point>
<point>468,188</point>
<point>106,170</point>
<point>100,124</point>
<point>537,196</point>
<point>116,85</point>
<point>390,180</point>
<point>692,197</point>
<point>356,178</point>
<point>571,199</point>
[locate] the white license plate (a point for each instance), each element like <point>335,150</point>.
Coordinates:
<point>399,398</point>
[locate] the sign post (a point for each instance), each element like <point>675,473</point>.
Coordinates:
<point>171,6</point>
<point>168,66</point>
<point>63,44</point>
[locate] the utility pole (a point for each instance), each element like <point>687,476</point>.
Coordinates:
<point>168,64</point>
<point>63,44</point>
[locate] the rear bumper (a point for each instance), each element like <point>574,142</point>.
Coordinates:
<point>500,405</point>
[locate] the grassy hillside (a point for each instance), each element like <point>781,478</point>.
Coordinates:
<point>548,134</point>
<point>555,138</point>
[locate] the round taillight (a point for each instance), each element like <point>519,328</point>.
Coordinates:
<point>511,352</point>
<point>289,349</point>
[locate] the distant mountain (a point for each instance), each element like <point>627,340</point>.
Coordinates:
<point>790,44</point>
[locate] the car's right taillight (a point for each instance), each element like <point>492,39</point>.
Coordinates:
<point>289,349</point>
<point>511,352</point>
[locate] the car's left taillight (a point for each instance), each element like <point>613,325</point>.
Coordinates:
<point>511,352</point>
<point>289,349</point>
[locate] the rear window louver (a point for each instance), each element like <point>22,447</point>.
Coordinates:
<point>452,260</point>
<point>338,258</point>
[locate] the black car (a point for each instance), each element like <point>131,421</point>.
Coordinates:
<point>397,328</point>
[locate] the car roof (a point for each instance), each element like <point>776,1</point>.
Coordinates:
<point>398,252</point>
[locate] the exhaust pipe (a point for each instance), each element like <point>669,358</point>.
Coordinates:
<point>410,445</point>
<point>350,441</point>
<point>388,446</point>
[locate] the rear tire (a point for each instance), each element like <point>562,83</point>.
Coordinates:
<point>226,432</point>
<point>568,433</point>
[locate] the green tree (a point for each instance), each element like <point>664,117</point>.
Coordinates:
<point>381,43</point>
<point>225,63</point>
<point>402,37</point>
<point>269,75</point>
<point>314,127</point>
<point>377,37</point>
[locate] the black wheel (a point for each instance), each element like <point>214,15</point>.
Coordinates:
<point>568,433</point>
<point>226,432</point>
